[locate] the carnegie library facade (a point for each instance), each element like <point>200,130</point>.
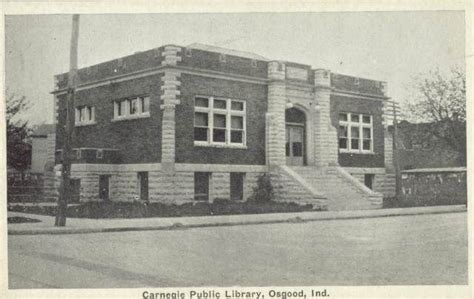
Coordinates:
<point>183,124</point>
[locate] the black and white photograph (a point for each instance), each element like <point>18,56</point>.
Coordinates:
<point>235,154</point>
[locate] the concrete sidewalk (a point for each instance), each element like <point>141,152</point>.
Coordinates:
<point>84,225</point>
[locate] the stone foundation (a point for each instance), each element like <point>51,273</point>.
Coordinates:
<point>164,187</point>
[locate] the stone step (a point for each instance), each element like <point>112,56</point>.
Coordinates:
<point>342,194</point>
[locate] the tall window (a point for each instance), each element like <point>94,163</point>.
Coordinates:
<point>219,121</point>
<point>355,132</point>
<point>85,115</point>
<point>135,107</point>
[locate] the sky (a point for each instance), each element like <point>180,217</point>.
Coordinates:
<point>387,46</point>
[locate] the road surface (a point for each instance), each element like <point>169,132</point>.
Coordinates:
<point>407,250</point>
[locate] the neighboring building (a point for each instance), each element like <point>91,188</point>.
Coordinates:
<point>43,142</point>
<point>179,124</point>
<point>42,147</point>
<point>419,148</point>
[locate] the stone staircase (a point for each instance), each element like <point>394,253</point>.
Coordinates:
<point>289,186</point>
<point>343,191</point>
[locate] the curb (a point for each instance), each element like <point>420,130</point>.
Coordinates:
<point>318,216</point>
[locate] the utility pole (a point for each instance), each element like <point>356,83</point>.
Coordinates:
<point>65,188</point>
<point>396,157</point>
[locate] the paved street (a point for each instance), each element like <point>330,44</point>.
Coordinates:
<point>412,250</point>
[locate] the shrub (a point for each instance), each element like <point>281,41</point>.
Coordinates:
<point>263,192</point>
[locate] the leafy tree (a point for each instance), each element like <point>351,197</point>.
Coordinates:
<point>441,100</point>
<point>18,149</point>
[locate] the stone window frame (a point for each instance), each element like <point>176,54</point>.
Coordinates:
<point>84,115</point>
<point>360,124</point>
<point>124,106</point>
<point>228,112</point>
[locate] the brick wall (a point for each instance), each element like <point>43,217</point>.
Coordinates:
<point>358,85</point>
<point>116,67</point>
<point>232,65</point>
<point>255,96</point>
<point>138,140</point>
<point>373,107</point>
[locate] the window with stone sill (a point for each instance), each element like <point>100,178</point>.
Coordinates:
<point>219,122</point>
<point>130,108</point>
<point>355,133</point>
<point>85,115</point>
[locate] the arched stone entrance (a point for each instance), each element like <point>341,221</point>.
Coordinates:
<point>295,148</point>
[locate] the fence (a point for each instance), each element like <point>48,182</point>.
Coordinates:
<point>435,186</point>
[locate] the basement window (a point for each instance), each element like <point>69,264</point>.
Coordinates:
<point>201,186</point>
<point>143,185</point>
<point>369,180</point>
<point>237,185</point>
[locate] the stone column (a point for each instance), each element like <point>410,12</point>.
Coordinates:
<point>325,135</point>
<point>389,185</point>
<point>169,98</point>
<point>276,135</point>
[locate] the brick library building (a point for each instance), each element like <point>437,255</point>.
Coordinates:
<point>184,124</point>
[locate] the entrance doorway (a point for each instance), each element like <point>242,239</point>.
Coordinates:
<point>295,137</point>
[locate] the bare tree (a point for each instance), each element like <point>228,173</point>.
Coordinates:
<point>441,100</point>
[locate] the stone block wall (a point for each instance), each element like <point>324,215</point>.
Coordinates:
<point>220,185</point>
<point>287,189</point>
<point>325,135</point>
<point>276,114</point>
<point>378,185</point>
<point>170,84</point>
<point>169,188</point>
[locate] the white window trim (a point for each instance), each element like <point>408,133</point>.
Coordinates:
<point>361,125</point>
<point>87,122</point>
<point>126,114</point>
<point>228,112</point>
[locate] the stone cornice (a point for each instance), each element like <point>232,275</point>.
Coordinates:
<point>162,69</point>
<point>365,96</point>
